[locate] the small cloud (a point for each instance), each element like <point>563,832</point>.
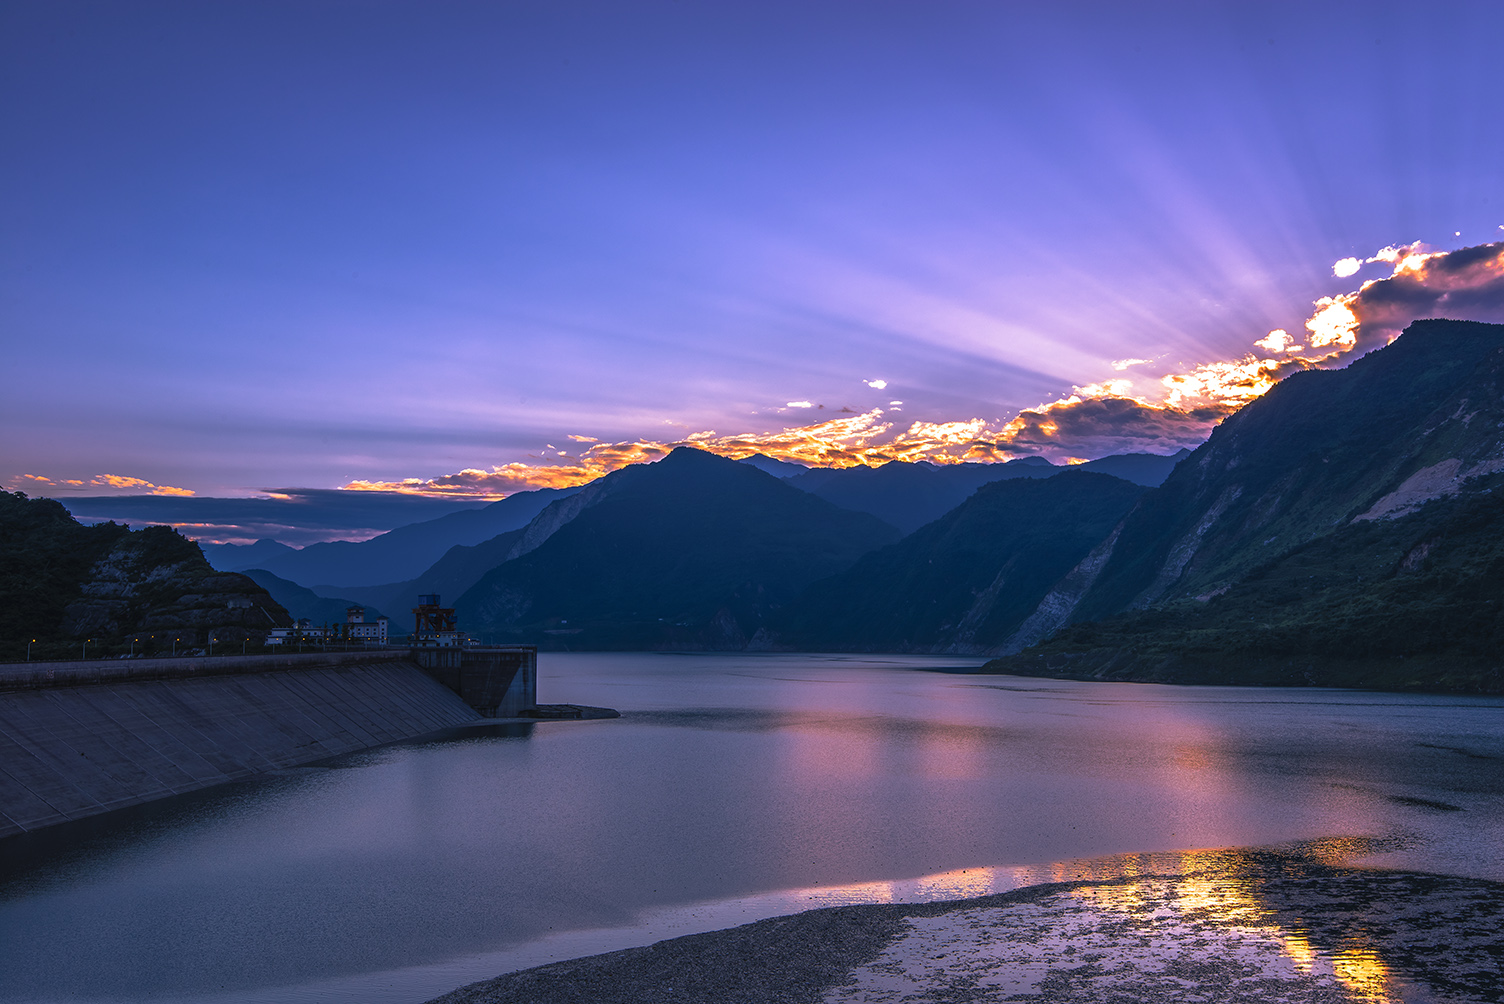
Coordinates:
<point>895,403</point>
<point>799,404</point>
<point>876,384</point>
<point>38,477</point>
<point>584,439</point>
<point>1346,267</point>
<point>1121,364</point>
<point>1278,340</point>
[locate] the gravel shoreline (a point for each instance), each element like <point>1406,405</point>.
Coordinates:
<point>1254,926</point>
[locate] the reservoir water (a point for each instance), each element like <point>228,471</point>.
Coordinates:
<point>733,787</point>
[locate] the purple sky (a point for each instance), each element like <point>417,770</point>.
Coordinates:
<point>309,243</point>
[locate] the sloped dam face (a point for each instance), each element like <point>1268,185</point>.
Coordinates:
<point>78,739</point>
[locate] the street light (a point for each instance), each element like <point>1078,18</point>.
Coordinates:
<point>86,647</point>
<point>28,649</point>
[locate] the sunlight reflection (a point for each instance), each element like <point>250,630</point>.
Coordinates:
<point>1363,973</point>
<point>1213,886</point>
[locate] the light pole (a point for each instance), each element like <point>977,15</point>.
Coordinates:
<point>86,647</point>
<point>211,644</point>
<point>28,649</point>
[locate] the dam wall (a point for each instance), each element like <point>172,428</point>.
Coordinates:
<point>499,682</point>
<point>78,739</point>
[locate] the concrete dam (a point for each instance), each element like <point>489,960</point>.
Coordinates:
<point>81,738</point>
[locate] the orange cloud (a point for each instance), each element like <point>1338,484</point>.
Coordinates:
<point>1095,419</point>
<point>119,482</point>
<point>112,483</point>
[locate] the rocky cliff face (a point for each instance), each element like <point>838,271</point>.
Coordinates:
<point>138,588</point>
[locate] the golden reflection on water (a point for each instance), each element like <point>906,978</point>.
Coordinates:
<point>1217,886</point>
<point>1300,950</point>
<point>1364,974</point>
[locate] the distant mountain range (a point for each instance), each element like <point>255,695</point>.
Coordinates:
<point>305,603</point>
<point>403,553</point>
<point>387,570</point>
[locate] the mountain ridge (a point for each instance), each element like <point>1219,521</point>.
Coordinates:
<point>691,551</point>
<point>1354,465</point>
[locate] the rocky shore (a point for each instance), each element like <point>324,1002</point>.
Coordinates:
<point>1262,927</point>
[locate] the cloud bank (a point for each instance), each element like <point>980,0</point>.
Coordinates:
<point>1179,409</point>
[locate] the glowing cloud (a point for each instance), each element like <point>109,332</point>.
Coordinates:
<point>876,384</point>
<point>1096,419</point>
<point>110,483</point>
<point>1278,340</point>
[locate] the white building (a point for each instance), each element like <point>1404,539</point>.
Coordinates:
<point>366,632</point>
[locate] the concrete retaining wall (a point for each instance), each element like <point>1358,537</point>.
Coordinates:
<point>128,736</point>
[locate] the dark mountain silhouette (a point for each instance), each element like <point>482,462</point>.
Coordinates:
<point>301,602</point>
<point>239,557</point>
<point>909,495</point>
<point>773,466</point>
<point>408,551</point>
<point>1320,526</point>
<point>1148,469</point>
<point>460,568</point>
<point>61,581</point>
<point>965,582</point>
<point>694,551</point>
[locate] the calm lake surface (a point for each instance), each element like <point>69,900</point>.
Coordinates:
<point>733,787</point>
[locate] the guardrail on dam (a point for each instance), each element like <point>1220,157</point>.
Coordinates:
<point>81,738</point>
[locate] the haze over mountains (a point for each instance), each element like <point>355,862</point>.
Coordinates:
<point>397,554</point>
